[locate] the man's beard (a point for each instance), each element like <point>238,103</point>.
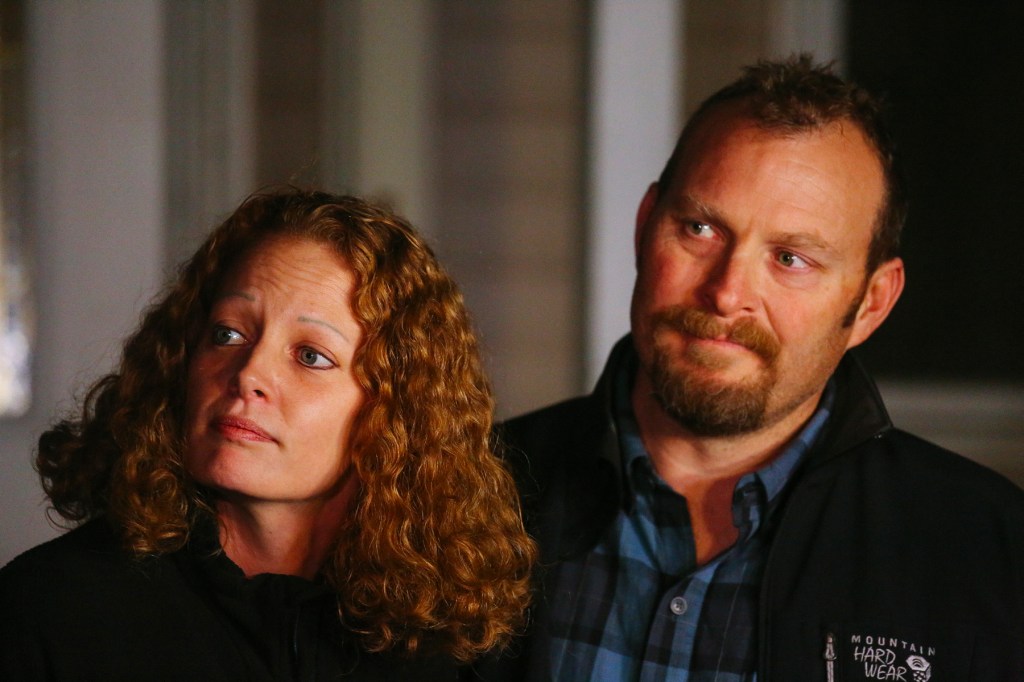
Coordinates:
<point>705,406</point>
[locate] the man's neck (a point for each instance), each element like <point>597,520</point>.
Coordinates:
<point>705,469</point>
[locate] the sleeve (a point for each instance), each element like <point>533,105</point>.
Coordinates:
<point>24,652</point>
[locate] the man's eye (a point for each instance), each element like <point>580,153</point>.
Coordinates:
<point>700,229</point>
<point>226,336</point>
<point>791,260</point>
<point>313,358</point>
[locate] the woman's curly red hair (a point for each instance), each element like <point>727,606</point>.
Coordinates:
<point>435,557</point>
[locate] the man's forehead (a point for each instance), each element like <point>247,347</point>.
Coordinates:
<point>738,117</point>
<point>814,182</point>
<point>840,143</point>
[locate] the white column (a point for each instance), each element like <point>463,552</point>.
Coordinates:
<point>377,117</point>
<point>210,67</point>
<point>636,81</point>
<point>816,26</point>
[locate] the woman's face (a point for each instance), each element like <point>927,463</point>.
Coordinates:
<point>270,394</point>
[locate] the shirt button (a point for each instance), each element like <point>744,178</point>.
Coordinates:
<point>678,605</point>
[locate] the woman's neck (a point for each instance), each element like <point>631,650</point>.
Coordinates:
<point>287,538</point>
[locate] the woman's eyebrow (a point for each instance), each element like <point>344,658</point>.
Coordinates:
<point>302,318</point>
<point>234,293</point>
<point>322,323</point>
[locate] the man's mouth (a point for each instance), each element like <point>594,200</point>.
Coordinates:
<point>703,326</point>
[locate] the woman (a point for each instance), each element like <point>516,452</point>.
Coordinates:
<point>287,478</point>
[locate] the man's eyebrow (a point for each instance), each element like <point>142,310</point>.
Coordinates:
<point>804,240</point>
<point>703,210</point>
<point>796,240</point>
<point>322,323</point>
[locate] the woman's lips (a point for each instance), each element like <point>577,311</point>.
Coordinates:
<point>239,428</point>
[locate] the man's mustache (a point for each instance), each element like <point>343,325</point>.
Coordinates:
<point>697,323</point>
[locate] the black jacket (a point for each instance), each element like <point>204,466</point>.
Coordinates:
<point>884,546</point>
<point>79,608</point>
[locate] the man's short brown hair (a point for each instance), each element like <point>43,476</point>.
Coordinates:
<point>795,96</point>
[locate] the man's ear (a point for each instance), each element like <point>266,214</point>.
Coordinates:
<point>883,290</point>
<point>643,212</point>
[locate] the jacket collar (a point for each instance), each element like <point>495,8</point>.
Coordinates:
<point>858,415</point>
<point>608,446</point>
<point>204,558</point>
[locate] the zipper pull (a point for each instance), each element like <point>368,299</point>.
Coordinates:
<point>830,657</point>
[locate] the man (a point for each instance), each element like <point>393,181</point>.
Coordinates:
<point>732,502</point>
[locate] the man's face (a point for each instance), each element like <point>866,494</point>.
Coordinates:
<point>751,279</point>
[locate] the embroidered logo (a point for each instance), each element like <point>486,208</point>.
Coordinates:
<point>881,658</point>
<point>920,667</point>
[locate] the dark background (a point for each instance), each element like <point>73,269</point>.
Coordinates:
<point>954,77</point>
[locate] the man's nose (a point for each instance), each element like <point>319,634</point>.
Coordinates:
<point>731,287</point>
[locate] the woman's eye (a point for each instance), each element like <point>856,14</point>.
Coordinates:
<point>791,260</point>
<point>700,229</point>
<point>226,336</point>
<point>314,359</point>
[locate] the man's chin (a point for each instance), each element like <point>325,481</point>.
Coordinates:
<point>712,402</point>
<point>717,373</point>
<point>718,415</point>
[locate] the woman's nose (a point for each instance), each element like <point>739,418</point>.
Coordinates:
<point>256,372</point>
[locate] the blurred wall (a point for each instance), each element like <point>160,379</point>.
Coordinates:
<point>153,119</point>
<point>508,165</point>
<point>96,215</point>
<point>480,121</point>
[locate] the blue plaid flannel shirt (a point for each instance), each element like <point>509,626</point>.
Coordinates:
<point>637,606</point>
